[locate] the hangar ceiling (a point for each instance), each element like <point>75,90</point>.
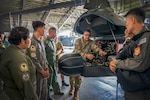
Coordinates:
<point>59,13</point>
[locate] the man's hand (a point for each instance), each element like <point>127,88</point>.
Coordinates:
<point>59,51</point>
<point>90,56</point>
<point>45,73</point>
<point>102,53</point>
<point>112,66</point>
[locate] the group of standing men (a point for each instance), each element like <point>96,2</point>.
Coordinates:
<point>27,66</point>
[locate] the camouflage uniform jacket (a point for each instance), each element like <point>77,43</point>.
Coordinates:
<point>58,47</point>
<point>85,47</point>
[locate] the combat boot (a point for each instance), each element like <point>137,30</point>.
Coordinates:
<point>76,96</point>
<point>71,91</point>
<point>64,83</point>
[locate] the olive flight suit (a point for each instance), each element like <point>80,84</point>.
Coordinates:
<point>37,54</point>
<point>50,48</point>
<point>18,74</point>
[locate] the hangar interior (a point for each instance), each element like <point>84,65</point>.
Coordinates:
<point>59,13</point>
<point>70,15</point>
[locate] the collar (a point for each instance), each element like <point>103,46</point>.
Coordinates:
<point>16,47</point>
<point>140,34</point>
<point>47,38</point>
<point>38,40</point>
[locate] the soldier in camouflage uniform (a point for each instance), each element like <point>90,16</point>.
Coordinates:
<point>17,69</point>
<point>60,50</point>
<point>38,56</point>
<point>83,46</point>
<point>140,60</point>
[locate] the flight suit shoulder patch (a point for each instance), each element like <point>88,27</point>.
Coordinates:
<point>32,48</point>
<point>33,54</point>
<point>137,51</point>
<point>23,67</point>
<point>25,76</point>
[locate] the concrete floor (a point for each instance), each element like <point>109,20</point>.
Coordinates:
<point>93,88</point>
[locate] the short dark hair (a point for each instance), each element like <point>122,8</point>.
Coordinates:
<point>17,34</point>
<point>87,30</point>
<point>37,24</point>
<point>139,13</point>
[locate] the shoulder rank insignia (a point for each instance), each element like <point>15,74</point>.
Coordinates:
<point>24,67</point>
<point>32,48</point>
<point>137,51</point>
<point>25,76</point>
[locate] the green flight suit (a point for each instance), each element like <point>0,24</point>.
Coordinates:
<point>38,56</point>
<point>82,48</point>
<point>18,74</point>
<point>50,48</point>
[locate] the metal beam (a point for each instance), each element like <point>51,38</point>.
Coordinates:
<point>66,20</point>
<point>20,16</point>
<point>66,15</point>
<point>46,13</point>
<point>49,7</point>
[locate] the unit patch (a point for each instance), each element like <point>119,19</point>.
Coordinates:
<point>24,67</point>
<point>33,54</point>
<point>137,51</point>
<point>32,48</point>
<point>25,76</point>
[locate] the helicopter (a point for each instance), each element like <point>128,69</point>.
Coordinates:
<point>107,29</point>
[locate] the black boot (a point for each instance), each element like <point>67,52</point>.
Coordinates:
<point>64,84</point>
<point>59,93</point>
<point>50,98</point>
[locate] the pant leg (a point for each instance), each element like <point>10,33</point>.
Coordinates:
<point>49,81</point>
<point>75,81</point>
<point>41,89</point>
<point>55,83</point>
<point>44,94</point>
